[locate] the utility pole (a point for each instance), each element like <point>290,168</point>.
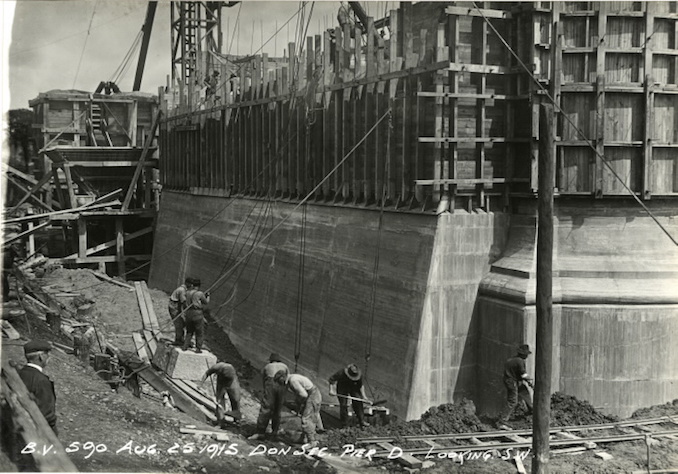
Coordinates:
<point>544,353</point>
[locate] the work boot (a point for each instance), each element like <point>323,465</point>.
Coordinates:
<point>198,351</point>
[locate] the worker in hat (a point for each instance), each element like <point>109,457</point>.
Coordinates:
<point>347,384</point>
<point>516,380</point>
<point>309,400</point>
<point>176,307</point>
<point>274,398</point>
<point>195,318</point>
<point>227,384</point>
<point>39,385</point>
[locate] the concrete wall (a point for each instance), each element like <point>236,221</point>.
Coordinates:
<point>615,296</point>
<point>446,358</point>
<point>341,245</point>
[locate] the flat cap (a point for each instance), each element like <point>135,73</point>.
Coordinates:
<point>37,345</point>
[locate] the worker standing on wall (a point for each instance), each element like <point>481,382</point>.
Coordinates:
<point>274,398</point>
<point>177,304</point>
<point>516,380</point>
<point>347,384</point>
<point>227,383</point>
<point>195,319</point>
<point>308,404</point>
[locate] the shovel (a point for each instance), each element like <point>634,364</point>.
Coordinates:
<point>364,400</point>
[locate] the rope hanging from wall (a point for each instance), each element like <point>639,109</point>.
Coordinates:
<point>300,290</point>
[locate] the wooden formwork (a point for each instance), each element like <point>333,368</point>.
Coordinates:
<point>441,101</point>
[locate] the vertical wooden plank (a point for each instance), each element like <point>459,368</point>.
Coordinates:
<point>481,113</point>
<point>338,108</point>
<point>69,185</point>
<point>368,112</point>
<point>57,187</point>
<point>76,123</point>
<point>600,99</point>
<point>395,47</point>
<point>120,246</point>
<point>284,124</point>
<point>648,90</point>
<point>556,79</point>
<point>82,237</point>
<point>441,169</point>
<point>417,118</point>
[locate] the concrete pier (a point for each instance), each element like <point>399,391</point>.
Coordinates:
<point>454,295</point>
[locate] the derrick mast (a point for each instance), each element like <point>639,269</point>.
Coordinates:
<point>196,44</point>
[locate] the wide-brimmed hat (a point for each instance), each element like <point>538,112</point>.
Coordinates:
<point>524,349</point>
<point>36,345</point>
<point>352,372</point>
<point>274,357</point>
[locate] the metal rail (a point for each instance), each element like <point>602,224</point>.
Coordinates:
<point>434,448</point>
<point>494,434</point>
<point>528,444</point>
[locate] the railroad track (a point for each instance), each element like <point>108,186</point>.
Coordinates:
<point>563,439</point>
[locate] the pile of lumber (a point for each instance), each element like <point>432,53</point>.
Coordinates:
<point>186,395</point>
<point>146,341</point>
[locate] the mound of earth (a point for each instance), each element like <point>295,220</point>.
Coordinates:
<point>567,410</point>
<point>447,418</point>
<point>667,409</point>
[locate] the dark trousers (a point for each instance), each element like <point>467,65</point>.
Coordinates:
<point>357,408</point>
<point>271,406</point>
<point>233,392</point>
<point>178,321</point>
<point>515,390</point>
<point>195,324</point>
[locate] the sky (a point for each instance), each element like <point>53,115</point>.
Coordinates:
<point>75,44</point>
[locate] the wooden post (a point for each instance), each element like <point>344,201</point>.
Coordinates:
<point>120,246</point>
<point>82,237</point>
<point>544,354</point>
<point>54,321</point>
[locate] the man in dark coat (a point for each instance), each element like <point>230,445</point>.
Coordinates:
<point>515,380</point>
<point>348,382</point>
<point>37,383</point>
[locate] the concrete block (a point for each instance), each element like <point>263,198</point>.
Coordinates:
<point>180,364</point>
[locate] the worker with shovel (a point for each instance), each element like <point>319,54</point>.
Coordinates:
<point>274,398</point>
<point>347,384</point>
<point>516,380</point>
<point>227,383</point>
<point>309,400</point>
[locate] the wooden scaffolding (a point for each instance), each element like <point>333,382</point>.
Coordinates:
<point>441,102</point>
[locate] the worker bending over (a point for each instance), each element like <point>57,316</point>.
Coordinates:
<point>195,319</point>
<point>177,304</point>
<point>347,384</point>
<point>227,383</point>
<point>308,404</point>
<point>516,380</point>
<point>274,398</point>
